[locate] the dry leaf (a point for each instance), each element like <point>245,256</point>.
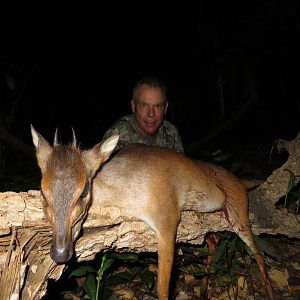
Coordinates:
<point>279,277</point>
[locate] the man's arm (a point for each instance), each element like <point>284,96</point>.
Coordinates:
<point>171,137</point>
<point>177,142</point>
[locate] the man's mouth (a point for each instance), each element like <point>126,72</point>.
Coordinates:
<point>150,124</point>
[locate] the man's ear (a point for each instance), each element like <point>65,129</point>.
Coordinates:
<point>133,106</point>
<point>99,153</point>
<point>166,107</point>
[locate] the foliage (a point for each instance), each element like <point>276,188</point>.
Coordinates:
<point>131,270</point>
<point>98,281</point>
<point>226,258</point>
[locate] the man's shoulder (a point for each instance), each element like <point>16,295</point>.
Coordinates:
<point>169,126</point>
<point>170,137</point>
<point>122,127</point>
<point>123,121</point>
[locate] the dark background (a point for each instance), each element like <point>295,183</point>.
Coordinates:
<point>75,65</point>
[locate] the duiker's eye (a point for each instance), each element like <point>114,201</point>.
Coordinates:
<point>85,190</point>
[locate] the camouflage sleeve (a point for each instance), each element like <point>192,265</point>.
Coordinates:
<point>171,138</point>
<point>110,132</point>
<point>177,142</point>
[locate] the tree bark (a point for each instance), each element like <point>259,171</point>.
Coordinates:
<point>25,234</point>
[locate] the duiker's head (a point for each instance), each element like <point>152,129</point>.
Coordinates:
<point>67,173</point>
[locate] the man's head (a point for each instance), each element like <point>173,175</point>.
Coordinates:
<point>149,104</point>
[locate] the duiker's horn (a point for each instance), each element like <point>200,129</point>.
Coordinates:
<point>74,141</point>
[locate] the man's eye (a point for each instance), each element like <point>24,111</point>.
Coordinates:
<point>85,190</point>
<point>161,105</point>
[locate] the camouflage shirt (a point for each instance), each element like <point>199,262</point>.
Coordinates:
<point>167,135</point>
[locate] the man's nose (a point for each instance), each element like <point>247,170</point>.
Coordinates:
<point>151,111</point>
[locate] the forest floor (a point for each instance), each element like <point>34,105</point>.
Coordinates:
<point>234,274</point>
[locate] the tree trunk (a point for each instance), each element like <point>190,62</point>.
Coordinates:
<point>25,235</point>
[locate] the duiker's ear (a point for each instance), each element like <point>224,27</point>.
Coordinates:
<point>43,148</point>
<point>100,153</point>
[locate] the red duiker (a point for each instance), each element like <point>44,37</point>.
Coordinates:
<point>151,183</point>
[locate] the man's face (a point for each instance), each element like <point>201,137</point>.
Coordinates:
<point>149,108</point>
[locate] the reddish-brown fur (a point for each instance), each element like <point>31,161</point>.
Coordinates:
<point>150,183</point>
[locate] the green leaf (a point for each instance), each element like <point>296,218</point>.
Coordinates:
<point>237,264</point>
<point>125,256</point>
<point>90,286</point>
<point>265,247</point>
<point>231,249</point>
<point>119,278</point>
<point>224,280</point>
<point>82,271</point>
<point>105,264</point>
<point>200,271</point>
<point>147,278</point>
<point>113,297</point>
<point>220,251</point>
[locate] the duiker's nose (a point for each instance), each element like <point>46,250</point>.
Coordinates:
<point>60,255</point>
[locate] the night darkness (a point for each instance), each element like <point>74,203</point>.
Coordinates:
<point>64,66</point>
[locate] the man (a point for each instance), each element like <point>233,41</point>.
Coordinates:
<point>147,124</point>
